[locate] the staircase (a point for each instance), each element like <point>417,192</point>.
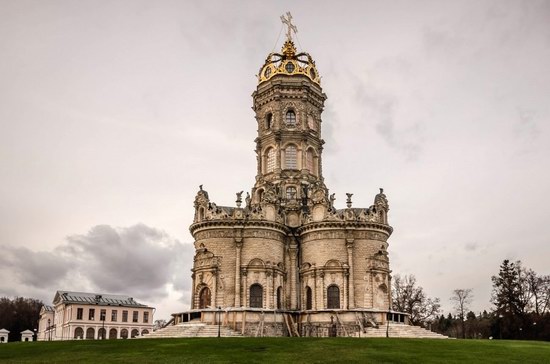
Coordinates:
<point>191,329</point>
<point>402,331</point>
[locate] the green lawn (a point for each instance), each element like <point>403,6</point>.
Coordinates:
<point>278,350</point>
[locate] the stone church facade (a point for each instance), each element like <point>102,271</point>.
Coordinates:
<point>284,259</point>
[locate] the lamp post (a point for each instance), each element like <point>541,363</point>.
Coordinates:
<point>535,329</point>
<point>49,331</point>
<point>388,322</point>
<point>219,321</point>
<point>500,316</point>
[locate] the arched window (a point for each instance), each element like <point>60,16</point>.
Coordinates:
<point>256,295</point>
<point>268,119</point>
<point>102,334</point>
<point>144,332</point>
<point>290,157</point>
<point>78,333</point>
<point>90,333</point>
<point>124,333</point>
<point>290,118</point>
<point>112,334</point>
<point>135,333</point>
<point>333,296</point>
<point>309,161</point>
<point>291,193</point>
<point>309,298</point>
<point>270,160</point>
<point>204,298</point>
<point>279,298</point>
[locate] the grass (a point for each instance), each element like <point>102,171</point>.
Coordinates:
<point>278,350</point>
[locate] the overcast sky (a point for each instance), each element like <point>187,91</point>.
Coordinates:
<point>113,112</point>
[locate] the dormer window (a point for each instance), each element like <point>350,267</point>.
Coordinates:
<point>290,118</point>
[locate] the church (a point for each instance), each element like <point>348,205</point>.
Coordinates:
<point>285,261</point>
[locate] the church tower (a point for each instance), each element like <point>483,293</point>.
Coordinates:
<point>288,249</point>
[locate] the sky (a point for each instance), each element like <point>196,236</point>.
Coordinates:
<point>112,113</point>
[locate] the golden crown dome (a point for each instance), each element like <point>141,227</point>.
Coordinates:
<point>288,62</point>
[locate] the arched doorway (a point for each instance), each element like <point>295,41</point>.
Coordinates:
<point>205,298</point>
<point>90,333</point>
<point>78,333</point>
<point>112,334</point>
<point>256,295</point>
<point>135,333</point>
<point>333,296</point>
<point>101,334</point>
<point>124,334</point>
<point>309,298</point>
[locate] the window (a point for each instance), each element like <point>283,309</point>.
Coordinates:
<point>311,123</point>
<point>113,315</point>
<point>145,317</point>
<point>268,120</point>
<point>91,314</point>
<point>79,313</point>
<point>135,316</point>
<point>309,161</point>
<point>291,193</point>
<point>256,296</point>
<point>279,298</point>
<point>124,316</point>
<point>290,118</point>
<point>102,315</point>
<point>333,297</point>
<point>290,157</point>
<point>270,160</point>
<point>309,298</point>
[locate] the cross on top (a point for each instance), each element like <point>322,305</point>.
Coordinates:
<point>290,27</point>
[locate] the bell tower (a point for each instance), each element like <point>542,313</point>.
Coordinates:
<point>288,103</point>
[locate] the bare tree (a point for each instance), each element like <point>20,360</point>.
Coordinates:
<point>410,298</point>
<point>462,298</point>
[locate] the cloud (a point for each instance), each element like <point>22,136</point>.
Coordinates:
<point>382,109</point>
<point>139,261</point>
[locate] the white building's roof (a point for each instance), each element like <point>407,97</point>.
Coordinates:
<point>27,332</point>
<point>4,331</point>
<point>95,298</point>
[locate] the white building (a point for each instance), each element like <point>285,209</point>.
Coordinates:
<point>4,336</point>
<point>79,315</point>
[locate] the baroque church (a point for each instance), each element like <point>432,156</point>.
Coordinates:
<point>285,260</point>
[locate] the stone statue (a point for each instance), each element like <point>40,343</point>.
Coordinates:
<point>332,198</point>
<point>247,200</point>
<point>348,201</point>
<point>239,198</point>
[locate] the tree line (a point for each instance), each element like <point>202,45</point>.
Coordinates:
<point>19,314</point>
<point>520,298</point>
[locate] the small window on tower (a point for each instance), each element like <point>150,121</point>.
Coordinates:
<point>289,67</point>
<point>290,157</point>
<point>268,119</point>
<point>291,193</point>
<point>290,118</point>
<point>270,160</point>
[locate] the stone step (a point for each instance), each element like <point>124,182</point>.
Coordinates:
<point>192,329</point>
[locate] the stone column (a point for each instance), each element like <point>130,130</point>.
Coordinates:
<point>324,291</point>
<point>238,245</point>
<point>214,287</point>
<point>245,287</point>
<point>293,294</point>
<point>351,282</point>
<point>346,281</point>
<point>269,289</point>
<point>314,290</point>
<point>193,290</point>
